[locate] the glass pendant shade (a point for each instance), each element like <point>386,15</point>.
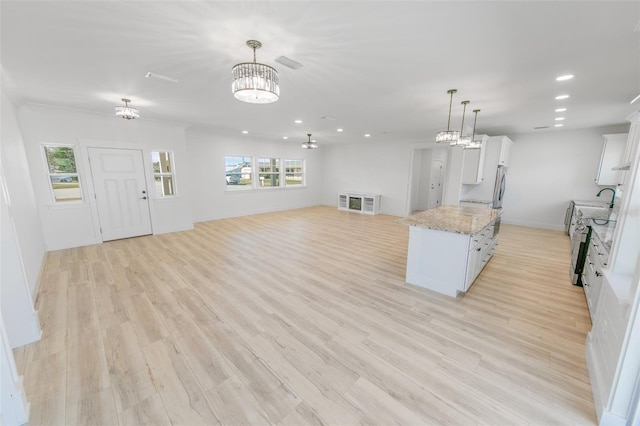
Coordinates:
<point>473,143</point>
<point>254,82</point>
<point>126,111</point>
<point>448,136</point>
<point>462,140</point>
<point>309,144</point>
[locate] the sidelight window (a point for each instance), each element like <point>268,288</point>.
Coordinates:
<point>163,174</point>
<point>64,180</point>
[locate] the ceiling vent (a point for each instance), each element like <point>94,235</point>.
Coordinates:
<point>290,63</point>
<point>161,77</point>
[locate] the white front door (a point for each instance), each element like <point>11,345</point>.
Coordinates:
<point>121,194</point>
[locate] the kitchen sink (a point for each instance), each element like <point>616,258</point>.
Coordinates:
<point>594,212</point>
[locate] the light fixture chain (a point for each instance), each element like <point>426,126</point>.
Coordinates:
<point>475,111</point>
<point>464,110</point>
<point>450,104</point>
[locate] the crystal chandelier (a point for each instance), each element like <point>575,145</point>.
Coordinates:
<point>473,143</point>
<point>462,141</point>
<point>448,136</point>
<point>126,111</point>
<point>309,144</point>
<point>253,82</point>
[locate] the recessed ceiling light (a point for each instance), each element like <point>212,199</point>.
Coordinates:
<point>285,137</point>
<point>297,121</point>
<point>245,131</point>
<point>366,135</point>
<point>339,130</point>
<point>561,109</point>
<point>559,118</point>
<point>560,97</point>
<point>559,125</point>
<point>565,77</point>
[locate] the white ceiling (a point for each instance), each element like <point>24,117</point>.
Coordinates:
<point>380,67</point>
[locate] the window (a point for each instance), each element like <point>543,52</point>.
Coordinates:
<point>163,173</point>
<point>238,172</point>
<point>269,172</point>
<point>294,172</point>
<point>63,174</point>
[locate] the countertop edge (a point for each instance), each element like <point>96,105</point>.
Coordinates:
<point>454,219</point>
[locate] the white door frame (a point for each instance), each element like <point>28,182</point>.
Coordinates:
<point>91,189</point>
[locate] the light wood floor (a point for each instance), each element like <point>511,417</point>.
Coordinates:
<point>303,317</point>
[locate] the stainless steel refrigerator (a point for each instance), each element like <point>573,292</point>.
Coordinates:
<point>499,187</point>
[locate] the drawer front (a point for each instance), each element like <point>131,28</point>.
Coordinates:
<point>481,238</point>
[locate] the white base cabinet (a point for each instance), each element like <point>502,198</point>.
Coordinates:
<point>359,202</point>
<point>448,262</point>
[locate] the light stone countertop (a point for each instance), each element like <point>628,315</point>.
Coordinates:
<point>461,220</point>
<point>604,230</point>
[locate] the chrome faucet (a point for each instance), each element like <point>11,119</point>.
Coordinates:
<point>613,197</point>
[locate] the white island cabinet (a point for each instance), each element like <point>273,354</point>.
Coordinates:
<point>449,246</point>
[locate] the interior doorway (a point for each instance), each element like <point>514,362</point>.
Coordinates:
<point>427,178</point>
<point>434,198</point>
<point>120,189</point>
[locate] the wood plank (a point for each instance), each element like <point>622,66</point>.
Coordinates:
<point>303,317</point>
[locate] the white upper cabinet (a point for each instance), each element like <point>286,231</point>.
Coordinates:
<point>505,149</point>
<point>613,149</point>
<point>473,163</point>
<point>496,153</point>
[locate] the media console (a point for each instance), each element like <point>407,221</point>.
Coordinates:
<point>359,202</point>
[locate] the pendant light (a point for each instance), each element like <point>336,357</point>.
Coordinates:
<point>462,140</point>
<point>309,144</point>
<point>254,82</point>
<point>126,111</point>
<point>474,144</point>
<point>448,136</point>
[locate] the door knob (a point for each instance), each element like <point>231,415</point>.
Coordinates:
<point>144,192</point>
<point>143,198</point>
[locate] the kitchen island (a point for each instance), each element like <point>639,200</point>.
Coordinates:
<point>449,246</point>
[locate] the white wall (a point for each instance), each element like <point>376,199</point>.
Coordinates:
<point>379,168</point>
<point>547,170</point>
<point>211,201</point>
<point>77,224</point>
<point>22,247</point>
<point>22,200</point>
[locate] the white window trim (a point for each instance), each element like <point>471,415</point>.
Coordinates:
<point>48,175</point>
<point>255,176</point>
<point>172,175</point>
<point>279,173</point>
<point>243,188</point>
<point>303,173</point>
